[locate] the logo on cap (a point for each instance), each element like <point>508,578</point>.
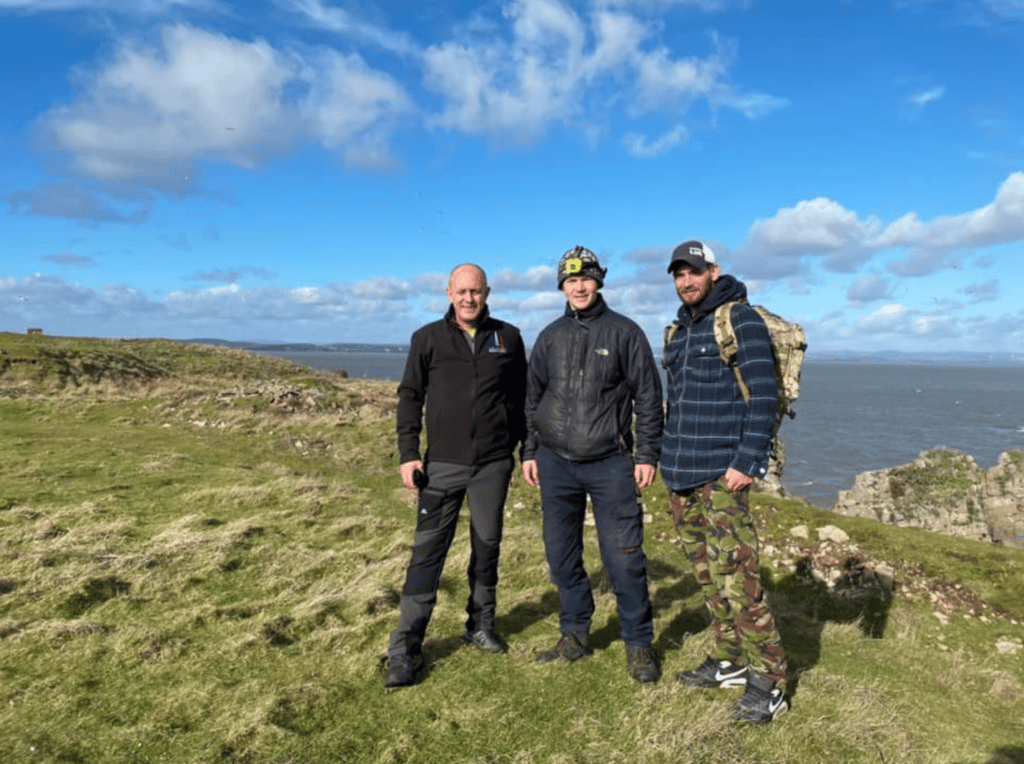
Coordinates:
<point>573,265</point>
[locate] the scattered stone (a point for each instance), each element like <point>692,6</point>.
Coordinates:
<point>800,532</point>
<point>832,533</point>
<point>1009,645</point>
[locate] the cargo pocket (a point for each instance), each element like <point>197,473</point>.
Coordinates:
<point>428,517</point>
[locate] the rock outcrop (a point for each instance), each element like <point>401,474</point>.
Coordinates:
<point>946,492</point>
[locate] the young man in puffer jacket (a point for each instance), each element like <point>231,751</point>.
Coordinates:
<point>588,371</point>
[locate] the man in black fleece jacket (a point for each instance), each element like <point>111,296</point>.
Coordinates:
<point>469,370</point>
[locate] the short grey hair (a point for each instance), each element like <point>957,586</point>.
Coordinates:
<point>451,275</point>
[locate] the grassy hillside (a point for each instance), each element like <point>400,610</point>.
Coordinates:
<point>201,552</point>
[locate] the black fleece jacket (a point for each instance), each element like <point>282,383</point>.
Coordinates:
<point>474,397</point>
<point>587,370</point>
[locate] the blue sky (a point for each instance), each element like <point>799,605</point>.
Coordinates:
<point>310,170</point>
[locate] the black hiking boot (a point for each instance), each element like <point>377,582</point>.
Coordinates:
<point>486,640</point>
<point>403,670</point>
<point>642,664</point>
<point>570,647</point>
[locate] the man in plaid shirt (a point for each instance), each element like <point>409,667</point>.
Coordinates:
<point>712,435</point>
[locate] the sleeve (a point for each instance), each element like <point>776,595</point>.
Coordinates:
<point>412,392</point>
<point>517,396</point>
<point>645,384</point>
<point>757,366</point>
<point>536,384</point>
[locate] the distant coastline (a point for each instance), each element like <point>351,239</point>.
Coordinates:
<point>304,347</point>
<point>881,358</point>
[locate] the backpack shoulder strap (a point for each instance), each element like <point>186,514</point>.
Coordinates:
<point>728,350</point>
<point>670,333</point>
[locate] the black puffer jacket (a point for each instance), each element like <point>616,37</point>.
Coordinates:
<point>474,398</point>
<point>587,369</point>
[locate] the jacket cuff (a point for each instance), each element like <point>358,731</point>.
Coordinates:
<point>754,468</point>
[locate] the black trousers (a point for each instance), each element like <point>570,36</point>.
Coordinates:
<point>486,487</point>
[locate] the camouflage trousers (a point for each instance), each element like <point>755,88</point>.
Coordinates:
<point>721,544</point>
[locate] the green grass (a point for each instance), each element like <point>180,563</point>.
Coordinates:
<point>201,553</point>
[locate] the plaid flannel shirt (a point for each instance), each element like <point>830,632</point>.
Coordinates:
<point>709,427</point>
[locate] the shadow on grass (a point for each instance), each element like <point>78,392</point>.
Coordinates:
<point>525,614</point>
<point>1007,755</point>
<point>688,622</point>
<point>802,605</point>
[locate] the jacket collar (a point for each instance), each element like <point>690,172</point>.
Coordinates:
<point>598,307</point>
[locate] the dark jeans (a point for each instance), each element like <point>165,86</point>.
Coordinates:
<point>618,515</point>
<point>486,487</point>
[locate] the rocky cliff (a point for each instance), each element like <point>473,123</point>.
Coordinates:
<point>946,492</point>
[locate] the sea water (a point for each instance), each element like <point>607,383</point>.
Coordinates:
<point>850,418</point>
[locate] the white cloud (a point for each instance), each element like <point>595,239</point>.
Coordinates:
<point>67,200</point>
<point>149,117</point>
<point>341,21</point>
<point>307,295</point>
<point>354,108</point>
<point>924,98</point>
<point>661,77</point>
<point>934,244</point>
<point>886,319</point>
<point>384,288</point>
<point>231,275</point>
<point>638,145</point>
<point>555,66</point>
<point>821,229</point>
<point>537,277</point>
<point>1010,9</point>
<point>511,89</point>
<point>123,6</point>
<point>709,6</point>
<point>986,291</point>
<point>754,105</point>
<point>776,247</point>
<point>869,288</point>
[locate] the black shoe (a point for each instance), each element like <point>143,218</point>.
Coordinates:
<point>486,640</point>
<point>570,647</point>
<point>642,664</point>
<point>403,670</point>
<point>762,701</point>
<point>712,673</point>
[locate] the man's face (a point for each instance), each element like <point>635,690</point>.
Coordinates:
<point>468,292</point>
<point>581,291</point>
<point>693,284</point>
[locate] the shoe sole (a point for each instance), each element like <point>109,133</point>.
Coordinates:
<point>783,708</point>
<point>725,684</point>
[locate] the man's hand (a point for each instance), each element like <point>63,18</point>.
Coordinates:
<point>644,475</point>
<point>406,471</point>
<point>530,472</point>
<point>736,480</point>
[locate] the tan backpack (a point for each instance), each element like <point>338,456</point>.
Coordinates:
<point>789,343</point>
